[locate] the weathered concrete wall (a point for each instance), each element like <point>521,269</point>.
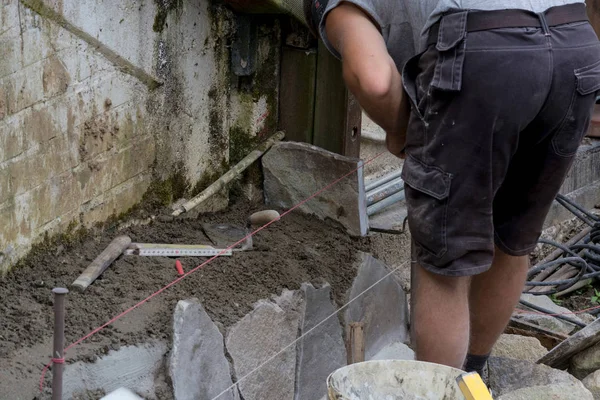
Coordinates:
<point>83,133</point>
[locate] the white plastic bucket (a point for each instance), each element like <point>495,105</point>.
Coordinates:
<point>394,380</point>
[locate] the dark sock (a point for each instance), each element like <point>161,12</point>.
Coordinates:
<point>475,363</point>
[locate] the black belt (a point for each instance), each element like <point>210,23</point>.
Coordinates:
<point>485,20</point>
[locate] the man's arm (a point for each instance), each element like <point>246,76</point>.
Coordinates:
<point>369,72</point>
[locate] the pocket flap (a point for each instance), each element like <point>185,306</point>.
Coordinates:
<point>453,29</point>
<point>588,79</point>
<point>427,179</point>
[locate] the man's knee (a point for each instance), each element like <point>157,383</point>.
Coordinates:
<point>427,280</point>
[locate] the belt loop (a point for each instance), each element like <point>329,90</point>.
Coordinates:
<point>544,21</point>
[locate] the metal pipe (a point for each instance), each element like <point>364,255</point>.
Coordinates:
<point>59,342</point>
<point>385,203</point>
<point>375,184</point>
<point>385,190</point>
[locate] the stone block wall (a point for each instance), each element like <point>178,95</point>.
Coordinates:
<point>99,99</point>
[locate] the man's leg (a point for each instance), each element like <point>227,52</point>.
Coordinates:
<point>492,300</point>
<point>440,317</point>
<point>493,297</point>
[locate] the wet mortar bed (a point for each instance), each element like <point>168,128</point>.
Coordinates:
<point>295,249</point>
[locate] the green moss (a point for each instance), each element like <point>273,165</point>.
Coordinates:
<point>73,234</point>
<point>207,179</point>
<point>240,144</point>
<point>161,193</point>
<point>164,8</point>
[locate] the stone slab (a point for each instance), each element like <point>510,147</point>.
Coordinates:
<point>295,171</point>
<point>586,362</point>
<point>546,392</point>
<point>507,375</point>
<point>592,383</point>
<point>198,367</point>
<point>131,367</point>
<point>519,347</point>
<point>322,351</point>
<point>383,309</point>
<point>253,341</point>
<point>546,321</point>
<point>559,356</point>
<point>390,219</point>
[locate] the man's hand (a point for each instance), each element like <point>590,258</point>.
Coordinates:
<point>369,71</point>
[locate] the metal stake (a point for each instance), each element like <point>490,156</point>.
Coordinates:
<point>59,342</point>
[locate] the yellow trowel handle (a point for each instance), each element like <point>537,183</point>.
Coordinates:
<point>472,387</point>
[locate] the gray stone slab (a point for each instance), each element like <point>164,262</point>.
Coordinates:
<point>546,321</point>
<point>546,392</point>
<point>592,383</point>
<point>294,171</point>
<point>507,375</point>
<point>559,356</point>
<point>131,367</point>
<point>256,338</point>
<point>390,219</point>
<point>198,367</point>
<point>586,362</point>
<point>322,351</point>
<point>383,309</point>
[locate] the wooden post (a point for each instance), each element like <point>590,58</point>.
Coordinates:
<point>355,343</point>
<point>297,93</point>
<point>337,114</point>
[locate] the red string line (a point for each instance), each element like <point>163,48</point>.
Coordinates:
<point>127,311</point>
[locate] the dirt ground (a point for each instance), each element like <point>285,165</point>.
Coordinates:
<point>294,250</point>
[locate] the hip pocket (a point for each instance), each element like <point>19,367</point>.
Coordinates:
<point>568,137</point>
<point>427,189</point>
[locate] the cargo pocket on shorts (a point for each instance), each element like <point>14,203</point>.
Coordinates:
<point>427,189</point>
<point>567,139</point>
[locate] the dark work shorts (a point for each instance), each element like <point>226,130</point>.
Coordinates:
<point>497,117</point>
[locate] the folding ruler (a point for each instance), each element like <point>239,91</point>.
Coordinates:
<point>175,250</point>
